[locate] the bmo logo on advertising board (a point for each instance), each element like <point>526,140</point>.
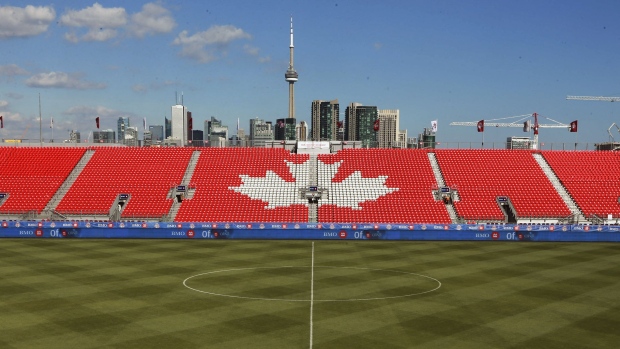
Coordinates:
<point>342,234</point>
<point>38,232</point>
<point>190,234</point>
<point>495,235</point>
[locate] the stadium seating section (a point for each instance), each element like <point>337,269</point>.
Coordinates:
<point>262,184</point>
<point>483,175</point>
<point>220,169</point>
<point>408,172</point>
<point>592,178</point>
<point>31,175</point>
<point>146,174</point>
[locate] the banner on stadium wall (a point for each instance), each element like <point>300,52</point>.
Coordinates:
<point>312,145</point>
<point>307,231</point>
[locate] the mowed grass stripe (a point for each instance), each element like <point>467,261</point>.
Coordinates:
<point>129,294</point>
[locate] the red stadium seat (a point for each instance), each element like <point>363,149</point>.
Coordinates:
<point>220,169</point>
<point>481,175</point>
<point>146,174</point>
<point>405,170</point>
<point>591,178</point>
<point>32,175</point>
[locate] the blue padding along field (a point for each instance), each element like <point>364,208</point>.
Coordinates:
<point>310,231</point>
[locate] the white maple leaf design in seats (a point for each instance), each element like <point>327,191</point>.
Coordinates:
<point>274,190</point>
<point>277,192</point>
<point>354,189</point>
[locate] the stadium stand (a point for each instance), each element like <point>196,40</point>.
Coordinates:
<point>407,172</point>
<point>591,177</point>
<point>146,174</point>
<point>482,175</point>
<point>31,175</point>
<point>263,184</point>
<point>219,170</point>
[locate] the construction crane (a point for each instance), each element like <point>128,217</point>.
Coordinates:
<point>593,98</point>
<point>522,121</point>
<point>611,137</point>
<point>600,99</point>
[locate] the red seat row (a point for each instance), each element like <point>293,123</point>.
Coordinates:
<point>262,184</point>
<point>32,175</point>
<point>591,177</point>
<point>482,175</point>
<point>146,174</point>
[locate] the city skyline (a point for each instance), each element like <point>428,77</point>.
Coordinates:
<point>447,61</point>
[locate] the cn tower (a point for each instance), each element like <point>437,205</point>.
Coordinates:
<point>292,77</point>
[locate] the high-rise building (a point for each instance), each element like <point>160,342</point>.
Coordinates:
<point>131,136</point>
<point>104,136</point>
<point>210,124</point>
<point>74,137</point>
<point>349,122</point>
<point>285,129</point>
<point>388,134</point>
<point>291,77</point>
<point>260,131</point>
<point>167,128</point>
<point>190,127</point>
<point>197,138</point>
<point>157,133</point>
<point>219,131</point>
<point>215,134</point>
<point>401,140</point>
<point>147,139</point>
<point>359,124</point>
<point>121,125</point>
<point>180,124</point>
<point>325,117</point>
<point>301,131</point>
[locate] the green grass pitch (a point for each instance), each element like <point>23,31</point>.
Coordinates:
<point>79,293</point>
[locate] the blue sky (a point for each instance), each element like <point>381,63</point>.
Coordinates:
<point>433,60</point>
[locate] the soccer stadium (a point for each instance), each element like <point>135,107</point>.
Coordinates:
<point>272,247</point>
<point>338,229</point>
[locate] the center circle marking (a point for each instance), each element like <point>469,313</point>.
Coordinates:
<point>315,300</point>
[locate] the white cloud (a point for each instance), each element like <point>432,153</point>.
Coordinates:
<point>102,23</point>
<point>208,45</point>
<point>153,19</point>
<point>95,16</point>
<point>15,117</point>
<point>254,51</point>
<point>12,70</point>
<point>3,104</point>
<point>251,50</point>
<point>378,45</point>
<point>217,34</point>
<point>25,21</point>
<point>62,80</point>
<point>99,35</point>
<point>14,95</point>
<point>82,111</point>
<point>72,37</point>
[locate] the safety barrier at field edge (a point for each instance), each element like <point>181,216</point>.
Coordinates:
<point>314,231</point>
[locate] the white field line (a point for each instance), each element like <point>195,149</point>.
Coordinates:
<point>311,294</point>
<point>186,281</point>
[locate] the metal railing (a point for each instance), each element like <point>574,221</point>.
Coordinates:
<point>261,144</point>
